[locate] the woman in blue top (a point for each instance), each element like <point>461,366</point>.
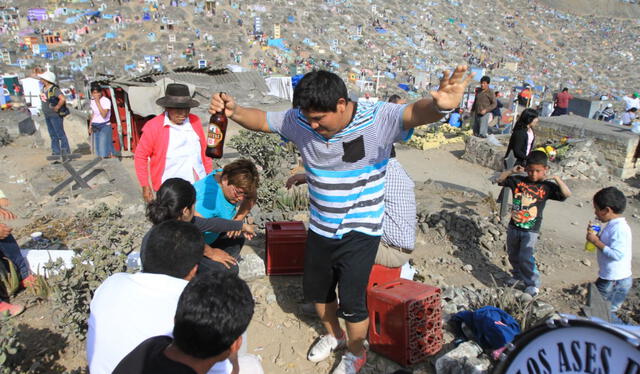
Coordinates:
<point>175,200</point>
<point>227,193</point>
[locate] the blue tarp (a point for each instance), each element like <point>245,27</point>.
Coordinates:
<point>291,19</point>
<point>278,43</point>
<point>71,20</point>
<point>110,35</point>
<point>389,75</point>
<point>146,16</point>
<point>380,30</point>
<point>130,67</point>
<point>90,13</point>
<point>295,79</point>
<point>477,73</point>
<point>404,86</point>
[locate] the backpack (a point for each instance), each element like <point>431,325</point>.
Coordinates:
<point>492,327</point>
<point>53,101</point>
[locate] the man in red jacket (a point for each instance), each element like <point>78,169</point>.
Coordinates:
<point>169,143</point>
<point>562,103</point>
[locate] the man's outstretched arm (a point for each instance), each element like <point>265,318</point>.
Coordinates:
<point>447,98</point>
<point>249,118</point>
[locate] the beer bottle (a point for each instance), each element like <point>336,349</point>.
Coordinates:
<point>215,135</point>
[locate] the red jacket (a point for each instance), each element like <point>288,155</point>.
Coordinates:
<point>152,148</point>
<point>562,100</point>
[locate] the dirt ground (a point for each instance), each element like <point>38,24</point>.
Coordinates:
<point>280,334</point>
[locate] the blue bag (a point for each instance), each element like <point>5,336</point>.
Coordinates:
<point>492,327</point>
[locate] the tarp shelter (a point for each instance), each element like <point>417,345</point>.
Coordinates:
<point>146,16</point>
<point>110,35</point>
<point>31,90</point>
<point>404,87</point>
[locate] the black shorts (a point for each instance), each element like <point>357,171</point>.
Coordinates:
<point>345,262</point>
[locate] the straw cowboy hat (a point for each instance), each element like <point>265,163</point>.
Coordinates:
<point>48,76</point>
<point>177,96</point>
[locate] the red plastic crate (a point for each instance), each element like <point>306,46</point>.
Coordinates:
<point>285,248</point>
<point>405,321</point>
<point>382,274</point>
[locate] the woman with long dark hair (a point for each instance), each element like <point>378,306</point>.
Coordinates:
<point>176,200</point>
<point>523,138</point>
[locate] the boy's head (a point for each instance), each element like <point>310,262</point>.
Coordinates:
<point>240,179</point>
<point>537,166</point>
<point>609,203</point>
<point>322,98</point>
<point>484,82</point>
<point>173,248</point>
<point>213,312</point>
<point>319,91</point>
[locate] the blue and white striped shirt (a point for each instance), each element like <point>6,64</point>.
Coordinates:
<point>346,173</point>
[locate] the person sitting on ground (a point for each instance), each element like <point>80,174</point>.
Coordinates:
<point>227,193</point>
<point>173,143</point>
<point>213,312</point>
<point>9,248</point>
<point>614,247</point>
<point>455,118</point>
<point>629,116</point>
<point>176,200</point>
<point>523,138</point>
<point>127,309</point>
<point>530,194</point>
<point>631,101</point>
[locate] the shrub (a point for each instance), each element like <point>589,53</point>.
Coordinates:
<point>9,345</point>
<point>74,288</point>
<point>265,150</point>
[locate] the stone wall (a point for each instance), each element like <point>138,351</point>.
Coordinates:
<point>613,145</point>
<point>482,152</point>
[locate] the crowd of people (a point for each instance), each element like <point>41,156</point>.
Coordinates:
<point>187,311</point>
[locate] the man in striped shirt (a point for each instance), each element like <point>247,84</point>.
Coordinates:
<point>345,148</point>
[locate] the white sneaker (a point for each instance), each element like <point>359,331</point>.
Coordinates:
<point>350,363</point>
<point>325,345</point>
<point>531,290</point>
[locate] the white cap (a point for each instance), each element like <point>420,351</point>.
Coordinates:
<point>609,105</point>
<point>48,76</point>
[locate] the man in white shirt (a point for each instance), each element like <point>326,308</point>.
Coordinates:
<point>128,308</point>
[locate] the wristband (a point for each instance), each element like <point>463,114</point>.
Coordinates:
<point>441,111</point>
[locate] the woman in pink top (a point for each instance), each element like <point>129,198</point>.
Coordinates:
<point>173,143</point>
<point>100,128</point>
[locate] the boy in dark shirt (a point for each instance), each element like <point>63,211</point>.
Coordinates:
<point>530,195</point>
<point>213,312</point>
